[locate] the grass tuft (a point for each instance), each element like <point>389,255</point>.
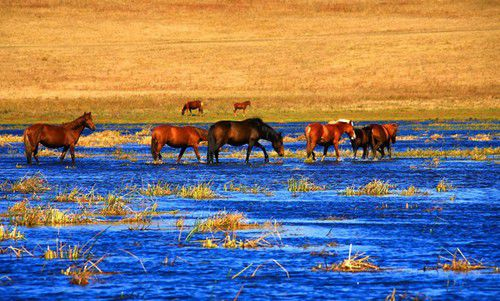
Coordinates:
<point>443,186</point>
<point>256,189</point>
<point>199,191</point>
<point>353,264</point>
<point>375,188</point>
<point>63,251</point>
<point>225,221</point>
<point>459,263</point>
<point>36,183</point>
<point>23,214</point>
<point>158,189</point>
<point>12,234</point>
<point>303,185</point>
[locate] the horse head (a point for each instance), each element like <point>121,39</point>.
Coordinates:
<point>278,144</point>
<point>89,123</point>
<point>184,108</point>
<point>392,129</point>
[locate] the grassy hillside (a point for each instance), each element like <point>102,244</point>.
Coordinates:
<point>296,60</point>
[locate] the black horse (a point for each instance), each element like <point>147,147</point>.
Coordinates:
<point>362,140</point>
<point>238,133</point>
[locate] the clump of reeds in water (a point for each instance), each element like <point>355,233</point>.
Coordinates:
<point>114,205</point>
<point>158,189</point>
<point>231,241</point>
<point>255,189</point>
<point>120,154</point>
<point>444,186</point>
<point>375,188</point>
<point>459,263</point>
<point>142,217</point>
<point>63,251</point>
<point>411,191</point>
<point>13,234</point>
<point>225,221</point>
<point>302,185</point>
<point>7,139</point>
<point>353,264</point>
<point>199,191</point>
<point>23,214</point>
<point>36,183</point>
<point>480,137</point>
<point>77,196</point>
<point>81,275</point>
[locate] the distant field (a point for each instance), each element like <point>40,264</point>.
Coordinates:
<point>296,60</point>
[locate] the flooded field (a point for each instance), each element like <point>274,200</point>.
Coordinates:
<point>168,230</point>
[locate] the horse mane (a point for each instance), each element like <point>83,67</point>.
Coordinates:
<point>267,131</point>
<point>342,120</point>
<point>75,123</point>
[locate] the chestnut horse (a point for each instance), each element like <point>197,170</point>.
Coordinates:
<point>55,136</point>
<point>177,137</point>
<point>383,136</point>
<point>193,105</point>
<point>238,133</point>
<point>326,135</point>
<point>241,106</point>
<point>363,138</point>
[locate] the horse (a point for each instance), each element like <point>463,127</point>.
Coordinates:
<point>382,136</point>
<point>193,105</point>
<point>241,106</point>
<point>55,136</point>
<point>363,136</point>
<point>326,135</point>
<point>177,137</point>
<point>238,133</point>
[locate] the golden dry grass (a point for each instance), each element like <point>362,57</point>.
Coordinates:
<point>366,59</point>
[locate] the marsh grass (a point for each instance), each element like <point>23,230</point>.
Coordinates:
<point>459,263</point>
<point>231,241</point>
<point>23,214</point>
<point>481,137</point>
<point>374,188</point>
<point>449,153</point>
<point>412,191</point>
<point>8,139</point>
<point>81,275</point>
<point>352,264</point>
<point>36,183</point>
<point>158,189</point>
<point>10,234</point>
<point>142,217</point>
<point>120,154</point>
<point>198,191</point>
<point>114,205</point>
<point>64,251</point>
<point>303,185</point>
<point>77,195</point>
<point>225,221</point>
<point>255,189</point>
<point>444,186</point>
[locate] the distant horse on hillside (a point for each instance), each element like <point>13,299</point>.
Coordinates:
<point>193,105</point>
<point>327,135</point>
<point>55,136</point>
<point>177,137</point>
<point>383,136</point>
<point>238,133</point>
<point>241,106</point>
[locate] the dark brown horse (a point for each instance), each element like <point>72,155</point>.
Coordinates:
<point>241,106</point>
<point>238,133</point>
<point>193,105</point>
<point>383,136</point>
<point>177,137</point>
<point>362,140</point>
<point>55,136</point>
<point>327,135</point>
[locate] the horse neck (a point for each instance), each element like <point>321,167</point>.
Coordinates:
<point>267,133</point>
<point>344,127</point>
<point>76,125</point>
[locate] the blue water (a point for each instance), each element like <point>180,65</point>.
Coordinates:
<point>401,241</point>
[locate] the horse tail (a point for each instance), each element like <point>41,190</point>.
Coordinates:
<point>27,146</point>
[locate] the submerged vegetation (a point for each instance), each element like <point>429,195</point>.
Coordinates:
<point>375,188</point>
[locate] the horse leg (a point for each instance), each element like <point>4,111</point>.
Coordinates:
<point>389,150</point>
<point>249,150</point>
<point>180,155</point>
<point>336,146</point>
<point>217,156</point>
<point>325,151</point>
<point>266,157</point>
<point>355,150</point>
<point>381,150</point>
<point>63,154</point>
<point>35,154</point>
<point>310,150</point>
<point>195,148</point>
<point>72,152</point>
<point>365,151</point>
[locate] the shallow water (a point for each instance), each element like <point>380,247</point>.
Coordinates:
<point>402,241</point>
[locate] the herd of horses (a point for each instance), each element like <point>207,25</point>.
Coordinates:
<point>198,105</point>
<point>236,133</point>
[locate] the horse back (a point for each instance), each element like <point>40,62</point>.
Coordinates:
<point>49,135</point>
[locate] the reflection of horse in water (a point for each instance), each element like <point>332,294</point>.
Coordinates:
<point>241,106</point>
<point>382,136</point>
<point>327,135</point>
<point>238,133</point>
<point>193,105</point>
<point>177,137</point>
<point>55,136</point>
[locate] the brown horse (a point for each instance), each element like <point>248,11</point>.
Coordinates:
<point>362,140</point>
<point>241,106</point>
<point>238,133</point>
<point>193,105</point>
<point>55,136</point>
<point>383,136</point>
<point>177,137</point>
<point>326,135</point>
